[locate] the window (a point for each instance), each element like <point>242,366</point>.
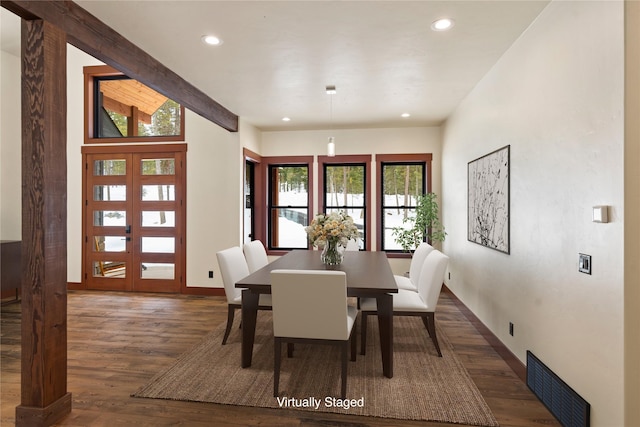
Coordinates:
<point>401,178</point>
<point>289,203</point>
<point>344,183</point>
<point>121,109</point>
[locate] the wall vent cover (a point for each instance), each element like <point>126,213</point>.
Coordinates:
<point>563,402</point>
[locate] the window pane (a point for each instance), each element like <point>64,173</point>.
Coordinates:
<point>289,186</point>
<point>158,219</point>
<point>158,192</point>
<point>158,244</point>
<point>155,114</point>
<point>109,244</point>
<point>357,214</point>
<point>110,218</point>
<point>393,217</point>
<point>344,190</point>
<point>109,192</point>
<point>158,167</point>
<point>288,210</point>
<point>115,269</point>
<point>156,270</point>
<point>288,229</point>
<point>109,167</point>
<point>401,183</point>
<point>344,185</point>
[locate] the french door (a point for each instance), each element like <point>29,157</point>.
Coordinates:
<point>134,218</point>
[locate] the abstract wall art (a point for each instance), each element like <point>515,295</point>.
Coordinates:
<point>488,200</point>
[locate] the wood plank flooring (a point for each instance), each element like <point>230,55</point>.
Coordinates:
<point>118,341</point>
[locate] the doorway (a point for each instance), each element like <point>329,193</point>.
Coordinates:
<point>249,201</point>
<point>134,218</point>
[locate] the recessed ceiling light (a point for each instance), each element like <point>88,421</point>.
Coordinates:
<point>442,24</point>
<point>286,119</point>
<point>405,115</point>
<point>211,40</point>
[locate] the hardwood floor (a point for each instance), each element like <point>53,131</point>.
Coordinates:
<point>118,341</point>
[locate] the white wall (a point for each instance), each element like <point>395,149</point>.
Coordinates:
<point>632,213</point>
<point>250,136</point>
<point>361,141</point>
<point>214,195</point>
<point>10,148</point>
<point>76,60</point>
<point>557,98</point>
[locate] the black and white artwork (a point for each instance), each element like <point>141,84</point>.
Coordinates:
<point>488,200</point>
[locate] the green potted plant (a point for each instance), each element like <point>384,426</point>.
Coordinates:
<point>425,225</point>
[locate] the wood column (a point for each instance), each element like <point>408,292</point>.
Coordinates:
<point>44,396</point>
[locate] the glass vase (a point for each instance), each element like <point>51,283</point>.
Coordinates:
<point>331,254</point>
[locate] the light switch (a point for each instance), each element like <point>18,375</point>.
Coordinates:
<point>600,214</point>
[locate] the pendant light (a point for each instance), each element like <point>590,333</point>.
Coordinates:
<point>331,145</point>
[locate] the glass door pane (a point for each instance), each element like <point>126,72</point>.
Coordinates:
<point>156,229</point>
<point>107,229</point>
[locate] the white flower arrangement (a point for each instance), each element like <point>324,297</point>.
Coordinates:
<point>335,228</point>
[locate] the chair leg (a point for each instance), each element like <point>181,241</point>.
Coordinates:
<point>230,313</point>
<point>276,365</point>
<point>426,324</point>
<point>343,390</point>
<point>363,333</point>
<point>430,319</point>
<point>353,339</point>
<point>290,349</point>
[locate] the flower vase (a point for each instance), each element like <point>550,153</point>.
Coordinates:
<point>331,254</point>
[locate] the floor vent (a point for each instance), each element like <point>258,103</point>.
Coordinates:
<point>563,402</point>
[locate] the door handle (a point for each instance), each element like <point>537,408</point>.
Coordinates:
<point>127,229</point>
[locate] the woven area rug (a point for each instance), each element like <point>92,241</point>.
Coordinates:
<point>424,386</point>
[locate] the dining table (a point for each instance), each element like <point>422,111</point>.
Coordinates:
<point>368,274</point>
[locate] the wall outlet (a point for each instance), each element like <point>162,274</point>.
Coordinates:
<point>210,274</point>
<point>510,328</point>
<point>584,263</point>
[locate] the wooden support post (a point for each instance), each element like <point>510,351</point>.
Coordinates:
<point>44,396</point>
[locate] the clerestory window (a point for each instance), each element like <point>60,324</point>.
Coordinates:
<point>121,109</point>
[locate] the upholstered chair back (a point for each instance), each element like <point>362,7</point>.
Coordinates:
<point>419,255</point>
<point>310,304</point>
<point>233,267</point>
<point>256,255</point>
<point>431,278</point>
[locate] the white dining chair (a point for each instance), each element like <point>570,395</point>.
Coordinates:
<point>410,282</point>
<point>409,303</point>
<point>256,255</point>
<point>311,306</point>
<point>233,267</point>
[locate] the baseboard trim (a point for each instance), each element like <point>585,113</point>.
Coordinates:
<point>510,359</point>
<point>34,417</point>
<point>76,286</point>
<point>217,292</point>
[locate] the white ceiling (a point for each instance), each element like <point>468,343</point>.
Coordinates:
<point>278,56</point>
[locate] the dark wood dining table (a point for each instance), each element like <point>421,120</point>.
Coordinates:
<point>368,275</point>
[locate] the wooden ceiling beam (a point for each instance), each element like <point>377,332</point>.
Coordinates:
<point>89,34</point>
